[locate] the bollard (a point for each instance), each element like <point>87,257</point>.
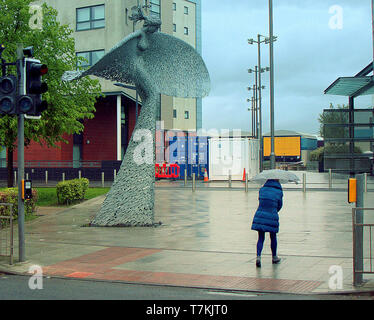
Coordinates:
<point>102,179</point>
<point>63,176</point>
<point>46,177</point>
<point>246,182</point>
<point>79,174</point>
<point>304,182</point>
<point>193,182</point>
<point>330,179</point>
<point>229,178</point>
<point>15,178</point>
<point>185,176</point>
<point>114,174</point>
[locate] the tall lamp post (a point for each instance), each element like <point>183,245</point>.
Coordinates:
<point>271,40</point>
<point>260,87</point>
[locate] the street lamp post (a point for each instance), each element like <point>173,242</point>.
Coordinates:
<point>272,154</point>
<point>260,87</point>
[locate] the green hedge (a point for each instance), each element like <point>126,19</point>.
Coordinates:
<point>71,191</point>
<point>10,195</point>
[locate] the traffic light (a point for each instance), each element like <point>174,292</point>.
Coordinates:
<point>8,94</point>
<point>31,103</point>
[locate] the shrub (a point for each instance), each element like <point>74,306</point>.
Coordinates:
<point>71,191</point>
<point>10,195</point>
<point>318,154</point>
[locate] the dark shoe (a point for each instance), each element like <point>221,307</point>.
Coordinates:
<point>276,260</point>
<point>258,262</point>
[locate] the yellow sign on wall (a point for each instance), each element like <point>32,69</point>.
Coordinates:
<point>283,146</point>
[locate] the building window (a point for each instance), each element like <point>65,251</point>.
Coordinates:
<point>186,114</point>
<point>90,18</point>
<point>174,27</point>
<point>91,56</point>
<point>186,31</point>
<point>174,6</point>
<point>174,113</point>
<point>155,10</point>
<point>185,10</point>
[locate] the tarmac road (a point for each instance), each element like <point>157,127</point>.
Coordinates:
<point>16,287</point>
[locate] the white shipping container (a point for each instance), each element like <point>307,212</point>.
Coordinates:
<point>233,155</point>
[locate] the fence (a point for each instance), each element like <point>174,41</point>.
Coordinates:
<point>356,232</point>
<point>6,233</point>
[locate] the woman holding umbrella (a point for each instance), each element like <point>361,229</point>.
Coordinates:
<point>266,218</point>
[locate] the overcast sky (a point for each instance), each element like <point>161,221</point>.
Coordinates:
<point>310,53</point>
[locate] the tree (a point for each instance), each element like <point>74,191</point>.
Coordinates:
<point>68,102</point>
<point>333,118</point>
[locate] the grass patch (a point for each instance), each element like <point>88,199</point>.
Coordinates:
<point>47,197</point>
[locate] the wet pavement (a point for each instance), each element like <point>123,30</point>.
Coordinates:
<point>204,240</point>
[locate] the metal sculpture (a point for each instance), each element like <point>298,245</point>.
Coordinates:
<point>156,63</point>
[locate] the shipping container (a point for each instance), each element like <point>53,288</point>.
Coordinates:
<point>286,149</point>
<point>231,156</point>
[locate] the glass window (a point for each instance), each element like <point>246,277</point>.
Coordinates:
<point>185,10</point>
<point>96,56</point>
<point>83,14</point>
<point>90,18</point>
<point>98,13</point>
<point>185,30</point>
<point>155,8</point>
<point>85,55</point>
<point>174,6</point>
<point>174,113</point>
<point>186,114</point>
<point>174,27</point>
<point>91,56</point>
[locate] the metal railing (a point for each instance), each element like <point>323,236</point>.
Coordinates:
<point>6,233</point>
<point>355,239</point>
<point>60,164</point>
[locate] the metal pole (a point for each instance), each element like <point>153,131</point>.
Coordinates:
<point>229,178</point>
<point>20,157</point>
<point>63,176</point>
<point>351,116</point>
<point>102,179</point>
<point>358,242</point>
<point>185,176</point>
<point>272,154</point>
<point>246,182</point>
<point>260,100</point>
<point>253,117</point>
<point>46,177</point>
<point>256,102</point>
<point>365,182</point>
<point>330,179</point>
<point>193,182</point>
<point>304,182</point>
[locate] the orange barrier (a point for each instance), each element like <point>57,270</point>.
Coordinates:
<point>167,170</point>
<point>206,178</point>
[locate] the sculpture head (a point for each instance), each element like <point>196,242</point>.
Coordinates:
<point>147,59</point>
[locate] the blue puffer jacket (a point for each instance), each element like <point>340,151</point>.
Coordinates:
<point>271,200</point>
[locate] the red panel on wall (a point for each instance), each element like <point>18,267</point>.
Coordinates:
<point>37,152</point>
<point>100,133</point>
<point>99,136</point>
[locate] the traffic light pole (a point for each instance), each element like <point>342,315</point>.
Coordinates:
<point>20,158</point>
